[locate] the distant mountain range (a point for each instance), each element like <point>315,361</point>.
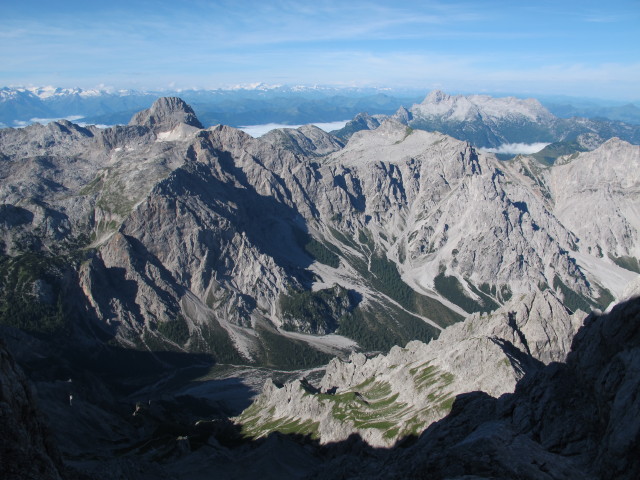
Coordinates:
<point>252,104</point>
<point>501,124</point>
<point>249,105</point>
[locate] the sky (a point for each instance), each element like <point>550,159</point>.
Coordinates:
<point>579,48</point>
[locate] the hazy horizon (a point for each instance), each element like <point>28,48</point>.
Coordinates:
<point>583,49</point>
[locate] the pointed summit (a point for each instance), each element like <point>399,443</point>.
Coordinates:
<point>436,96</point>
<point>403,115</point>
<point>165,114</point>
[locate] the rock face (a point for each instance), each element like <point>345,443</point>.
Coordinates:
<point>487,121</point>
<point>170,236</point>
<point>388,397</point>
<point>362,121</point>
<point>567,420</point>
<point>607,183</point>
<point>307,140</point>
<point>166,113</point>
<point>26,448</point>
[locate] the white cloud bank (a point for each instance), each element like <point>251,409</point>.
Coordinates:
<point>259,130</point>
<point>516,148</point>
<point>71,118</point>
<point>44,121</point>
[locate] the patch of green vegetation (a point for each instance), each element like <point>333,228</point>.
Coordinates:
<point>373,408</point>
<point>386,278</point>
<point>156,343</point>
<point>413,427</point>
<point>21,306</point>
<point>572,300</point>
<point>488,304</point>
<point>116,203</point>
<point>94,186</point>
<point>402,254</point>
<point>378,327</point>
<point>605,297</point>
<point>252,428</point>
<point>447,378</point>
<point>320,252</point>
<point>175,330</point>
<point>451,289</point>
<point>549,154</point>
<point>505,293</point>
<point>408,131</point>
<point>320,311</point>
<point>364,239</point>
<point>378,390</point>
<point>392,433</point>
<point>215,340</point>
<point>488,289</point>
<point>626,262</point>
<point>447,403</point>
<point>103,227</point>
<point>535,177</point>
<point>364,385</point>
<point>339,398</point>
<point>285,353</point>
<point>343,238</point>
<point>428,376</point>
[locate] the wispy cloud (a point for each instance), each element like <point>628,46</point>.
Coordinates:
<point>71,118</point>
<point>460,44</point>
<point>601,18</point>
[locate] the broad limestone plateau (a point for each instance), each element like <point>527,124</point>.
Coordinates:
<point>415,266</point>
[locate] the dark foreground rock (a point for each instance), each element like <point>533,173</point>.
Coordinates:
<point>570,420</point>
<point>26,449</point>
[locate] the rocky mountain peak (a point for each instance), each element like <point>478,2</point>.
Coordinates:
<point>614,142</point>
<point>436,96</point>
<point>306,140</point>
<point>403,116</point>
<point>165,114</point>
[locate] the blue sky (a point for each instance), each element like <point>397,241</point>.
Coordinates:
<point>580,48</point>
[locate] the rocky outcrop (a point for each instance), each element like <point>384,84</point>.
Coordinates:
<point>165,114</point>
<point>568,420</point>
<point>604,183</point>
<point>307,140</point>
<point>388,397</point>
<point>362,121</point>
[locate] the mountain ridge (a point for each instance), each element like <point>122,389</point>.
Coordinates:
<point>135,255</point>
<point>257,223</point>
